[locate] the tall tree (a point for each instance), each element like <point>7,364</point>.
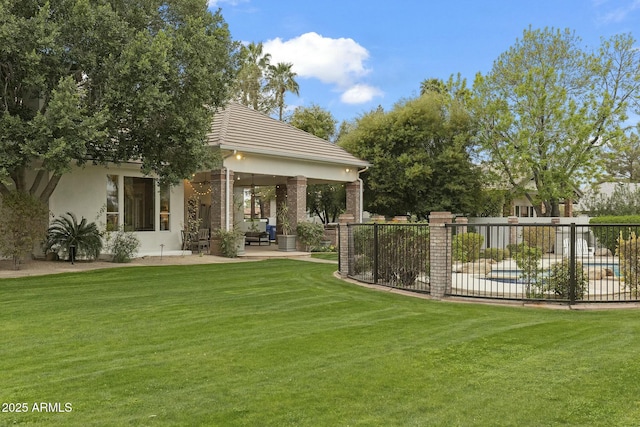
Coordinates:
<point>250,87</point>
<point>280,80</point>
<point>421,157</point>
<point>547,108</point>
<point>326,201</point>
<point>86,81</point>
<point>622,161</point>
<point>314,120</point>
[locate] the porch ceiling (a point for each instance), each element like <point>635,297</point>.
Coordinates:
<point>248,179</point>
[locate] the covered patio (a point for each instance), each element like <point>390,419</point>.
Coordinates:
<point>258,151</point>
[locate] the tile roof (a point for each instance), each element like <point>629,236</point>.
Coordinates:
<point>237,127</point>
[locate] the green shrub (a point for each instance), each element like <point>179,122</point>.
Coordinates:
<point>65,232</point>
<point>558,280</point>
<point>466,246</point>
<point>495,254</point>
<point>123,245</point>
<point>528,261</point>
<point>608,235</point>
<point>362,254</point>
<point>310,234</point>
<point>229,242</point>
<point>543,237</point>
<point>403,253</point>
<point>629,254</point>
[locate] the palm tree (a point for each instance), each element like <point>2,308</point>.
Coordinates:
<point>250,80</point>
<point>281,79</point>
<point>66,234</point>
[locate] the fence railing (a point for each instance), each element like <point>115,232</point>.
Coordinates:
<point>572,263</point>
<point>395,255</point>
<point>535,262</point>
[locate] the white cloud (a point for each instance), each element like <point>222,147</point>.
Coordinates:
<point>620,13</point>
<point>217,3</point>
<point>359,94</point>
<point>338,62</point>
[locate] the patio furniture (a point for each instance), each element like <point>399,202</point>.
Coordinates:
<point>203,239</point>
<point>259,237</point>
<point>189,240</point>
<point>582,248</point>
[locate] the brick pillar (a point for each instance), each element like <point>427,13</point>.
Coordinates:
<point>353,200</point>
<point>281,197</point>
<point>463,224</point>
<point>377,218</point>
<point>513,230</point>
<point>297,200</point>
<point>440,253</point>
<point>218,206</point>
<point>343,244</point>
<point>568,208</point>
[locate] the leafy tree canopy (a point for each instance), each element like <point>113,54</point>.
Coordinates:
<point>314,120</point>
<point>108,81</point>
<point>261,85</point>
<point>327,201</point>
<point>421,157</point>
<point>622,160</point>
<point>547,108</point>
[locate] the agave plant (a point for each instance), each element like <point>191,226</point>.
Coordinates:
<point>66,232</point>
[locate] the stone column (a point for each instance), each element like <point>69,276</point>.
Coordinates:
<point>343,244</point>
<point>440,253</point>
<point>281,197</point>
<point>297,200</point>
<point>353,200</point>
<point>513,230</point>
<point>219,206</point>
<point>463,221</point>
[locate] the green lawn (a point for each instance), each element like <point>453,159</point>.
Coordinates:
<point>278,343</point>
<point>331,256</point>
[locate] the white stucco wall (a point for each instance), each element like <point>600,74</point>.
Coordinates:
<point>268,165</point>
<point>84,193</point>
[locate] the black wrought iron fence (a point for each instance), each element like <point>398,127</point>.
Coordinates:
<point>395,255</point>
<point>537,262</point>
<point>572,263</point>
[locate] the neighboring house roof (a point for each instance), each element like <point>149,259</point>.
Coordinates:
<point>605,190</point>
<point>237,127</point>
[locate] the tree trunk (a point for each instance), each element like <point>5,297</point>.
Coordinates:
<point>48,190</point>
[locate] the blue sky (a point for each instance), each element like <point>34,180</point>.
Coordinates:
<point>353,55</point>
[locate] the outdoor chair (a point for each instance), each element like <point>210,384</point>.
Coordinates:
<point>582,248</point>
<point>189,241</point>
<point>203,239</point>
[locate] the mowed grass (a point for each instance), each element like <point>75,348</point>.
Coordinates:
<point>329,256</point>
<point>283,343</point>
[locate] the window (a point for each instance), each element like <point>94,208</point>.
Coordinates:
<point>525,211</point>
<point>112,202</point>
<point>139,204</point>
<point>165,207</point>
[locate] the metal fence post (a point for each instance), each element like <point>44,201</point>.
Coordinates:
<point>572,263</point>
<point>376,253</point>
<point>344,244</point>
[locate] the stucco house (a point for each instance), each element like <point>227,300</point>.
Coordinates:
<point>256,149</point>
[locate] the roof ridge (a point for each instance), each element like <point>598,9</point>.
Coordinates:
<point>266,116</point>
<point>224,124</point>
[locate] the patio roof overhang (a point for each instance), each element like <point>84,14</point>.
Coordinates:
<point>254,143</point>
